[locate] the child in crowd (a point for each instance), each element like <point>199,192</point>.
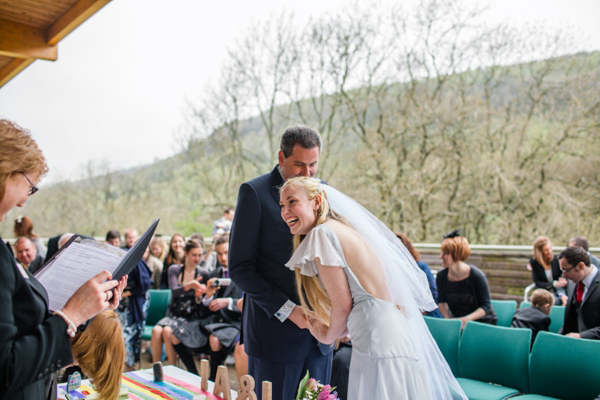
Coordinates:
<point>535,317</point>
<point>99,350</point>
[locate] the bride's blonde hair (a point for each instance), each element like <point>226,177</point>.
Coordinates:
<point>311,292</point>
<point>100,352</point>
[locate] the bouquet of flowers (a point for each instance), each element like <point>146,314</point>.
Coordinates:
<point>311,389</point>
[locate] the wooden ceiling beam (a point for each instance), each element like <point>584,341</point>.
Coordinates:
<point>24,41</point>
<point>72,18</point>
<point>11,69</point>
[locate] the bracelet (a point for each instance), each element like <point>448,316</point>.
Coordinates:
<point>71,328</point>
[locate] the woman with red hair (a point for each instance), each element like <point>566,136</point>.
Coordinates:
<point>463,290</point>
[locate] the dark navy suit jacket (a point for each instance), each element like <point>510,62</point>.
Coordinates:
<point>260,245</point>
<point>584,319</point>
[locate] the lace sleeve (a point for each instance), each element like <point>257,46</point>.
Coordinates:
<point>317,244</point>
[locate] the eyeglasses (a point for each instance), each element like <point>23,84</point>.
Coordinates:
<point>565,271</point>
<point>32,187</point>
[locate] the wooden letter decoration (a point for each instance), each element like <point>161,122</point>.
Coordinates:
<point>222,388</point>
<point>246,391</point>
<point>204,374</point>
<point>267,390</point>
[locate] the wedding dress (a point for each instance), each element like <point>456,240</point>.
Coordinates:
<point>393,353</point>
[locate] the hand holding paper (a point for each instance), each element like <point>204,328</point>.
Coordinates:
<point>92,297</point>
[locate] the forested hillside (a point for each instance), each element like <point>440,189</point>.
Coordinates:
<point>430,118</point>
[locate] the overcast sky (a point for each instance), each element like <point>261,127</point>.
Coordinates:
<point>118,90</point>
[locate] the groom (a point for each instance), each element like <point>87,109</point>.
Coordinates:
<point>280,348</point>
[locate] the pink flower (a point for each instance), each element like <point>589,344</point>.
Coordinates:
<point>324,395</point>
<point>311,384</point>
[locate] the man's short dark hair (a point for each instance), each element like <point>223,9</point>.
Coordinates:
<point>113,234</point>
<point>222,239</point>
<point>228,210</point>
<point>580,241</point>
<point>299,135</point>
<point>574,255</point>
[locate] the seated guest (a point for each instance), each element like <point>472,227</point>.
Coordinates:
<point>99,350</point>
<point>224,222</point>
<point>545,270</point>
<point>198,237</point>
<point>156,267</point>
<point>463,291</point>
<point>52,246</point>
<point>132,309</point>
<point>582,313</point>
<point>210,260</point>
<point>582,242</point>
<point>535,317</point>
<point>64,238</point>
<point>158,248</point>
<point>113,237</point>
<point>131,236</point>
<point>225,322</point>
<point>27,254</point>
<point>187,284</point>
<point>24,227</point>
<point>425,268</point>
<point>175,255</point>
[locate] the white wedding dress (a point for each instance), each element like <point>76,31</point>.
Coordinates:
<point>389,359</point>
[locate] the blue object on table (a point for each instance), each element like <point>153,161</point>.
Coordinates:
<point>74,381</point>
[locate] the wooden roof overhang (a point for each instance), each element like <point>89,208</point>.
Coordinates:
<point>31,29</point>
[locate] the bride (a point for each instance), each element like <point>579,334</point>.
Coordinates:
<point>354,276</point>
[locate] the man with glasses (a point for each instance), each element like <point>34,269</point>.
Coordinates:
<point>582,313</point>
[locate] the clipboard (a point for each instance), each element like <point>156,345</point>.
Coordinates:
<point>82,258</point>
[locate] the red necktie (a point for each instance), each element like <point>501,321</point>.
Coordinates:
<point>580,289</point>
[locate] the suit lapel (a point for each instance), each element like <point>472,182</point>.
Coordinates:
<point>572,291</point>
<point>38,288</point>
<point>592,287</point>
<point>276,182</point>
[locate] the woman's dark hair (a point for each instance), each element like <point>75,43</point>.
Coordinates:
<point>192,244</point>
<point>171,256</point>
<point>189,246</point>
<point>113,234</point>
<point>24,227</point>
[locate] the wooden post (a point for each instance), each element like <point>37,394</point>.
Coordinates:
<point>204,374</point>
<point>222,387</point>
<point>246,391</point>
<point>267,390</point>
